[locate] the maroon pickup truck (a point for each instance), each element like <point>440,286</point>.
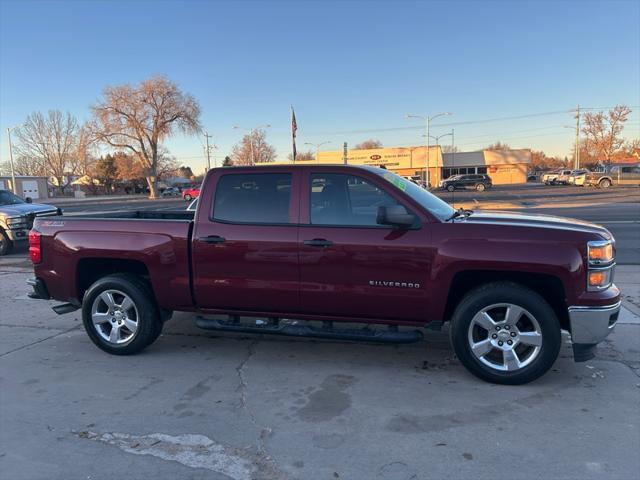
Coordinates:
<point>313,250</point>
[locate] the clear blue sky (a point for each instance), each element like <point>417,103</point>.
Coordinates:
<point>349,68</point>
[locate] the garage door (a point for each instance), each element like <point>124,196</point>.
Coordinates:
<point>30,189</point>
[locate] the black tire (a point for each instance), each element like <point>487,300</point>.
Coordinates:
<point>5,244</point>
<point>149,317</point>
<point>511,293</point>
<point>480,187</point>
<point>450,188</point>
<point>604,183</point>
<point>187,197</point>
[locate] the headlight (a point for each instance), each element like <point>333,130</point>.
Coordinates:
<point>15,223</point>
<point>600,252</point>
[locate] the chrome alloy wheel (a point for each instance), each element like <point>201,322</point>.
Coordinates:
<point>114,316</point>
<point>505,337</point>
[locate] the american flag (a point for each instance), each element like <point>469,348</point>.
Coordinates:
<point>294,129</point>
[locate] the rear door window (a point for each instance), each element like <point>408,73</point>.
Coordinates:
<point>256,198</point>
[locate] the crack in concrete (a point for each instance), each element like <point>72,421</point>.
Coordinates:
<point>39,341</point>
<point>243,385</point>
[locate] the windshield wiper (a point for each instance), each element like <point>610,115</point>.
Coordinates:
<point>461,212</point>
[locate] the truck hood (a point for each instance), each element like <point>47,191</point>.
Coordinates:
<point>536,221</point>
<point>26,208</point>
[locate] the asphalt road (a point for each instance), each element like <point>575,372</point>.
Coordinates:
<point>621,219</point>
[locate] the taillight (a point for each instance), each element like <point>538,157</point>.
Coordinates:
<point>35,251</point>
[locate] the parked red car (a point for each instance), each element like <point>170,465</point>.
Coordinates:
<point>189,194</point>
<point>332,244</point>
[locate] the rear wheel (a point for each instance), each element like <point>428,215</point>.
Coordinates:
<point>188,197</point>
<point>450,188</point>
<point>505,333</point>
<point>120,314</point>
<point>604,183</point>
<point>480,187</point>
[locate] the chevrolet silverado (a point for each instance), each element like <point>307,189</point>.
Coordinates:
<point>312,250</point>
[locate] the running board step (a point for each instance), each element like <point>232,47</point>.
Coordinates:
<point>65,308</point>
<point>274,327</point>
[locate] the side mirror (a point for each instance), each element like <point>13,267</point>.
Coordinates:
<point>395,215</point>
<point>28,200</point>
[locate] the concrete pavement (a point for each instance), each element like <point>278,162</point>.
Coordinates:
<point>197,405</point>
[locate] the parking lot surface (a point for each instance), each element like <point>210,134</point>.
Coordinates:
<point>197,405</point>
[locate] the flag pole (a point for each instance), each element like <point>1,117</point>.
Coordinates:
<point>294,129</point>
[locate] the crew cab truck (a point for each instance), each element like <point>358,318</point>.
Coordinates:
<point>330,246</point>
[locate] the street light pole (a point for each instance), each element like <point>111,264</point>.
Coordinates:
<point>317,145</point>
<point>13,173</point>
<point>427,120</point>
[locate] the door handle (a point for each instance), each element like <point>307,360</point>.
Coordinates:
<point>212,239</point>
<point>318,242</point>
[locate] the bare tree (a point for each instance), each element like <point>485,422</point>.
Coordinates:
<point>23,165</point>
<point>498,146</point>
<point>602,132</point>
<point>256,143</point>
<point>309,155</point>
<point>449,149</point>
<point>84,154</point>
<point>137,119</point>
<point>53,141</point>
<point>368,145</point>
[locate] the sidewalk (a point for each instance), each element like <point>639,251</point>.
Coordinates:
<point>627,278</point>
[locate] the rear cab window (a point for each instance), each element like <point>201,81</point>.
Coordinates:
<point>253,198</point>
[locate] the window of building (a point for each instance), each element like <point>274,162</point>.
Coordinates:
<point>253,198</point>
<point>338,199</point>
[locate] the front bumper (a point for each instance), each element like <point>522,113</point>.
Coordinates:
<point>589,326</point>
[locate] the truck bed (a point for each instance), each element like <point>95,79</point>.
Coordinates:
<point>141,215</point>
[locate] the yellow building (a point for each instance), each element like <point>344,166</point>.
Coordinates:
<point>405,161</point>
<point>504,167</point>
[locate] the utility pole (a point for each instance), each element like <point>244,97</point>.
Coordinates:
<point>206,138</point>
<point>344,153</point>
<point>13,173</point>
<point>576,160</point>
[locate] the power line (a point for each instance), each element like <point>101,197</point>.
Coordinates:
<point>453,124</point>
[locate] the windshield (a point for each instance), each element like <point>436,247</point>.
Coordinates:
<point>8,198</point>
<point>437,207</point>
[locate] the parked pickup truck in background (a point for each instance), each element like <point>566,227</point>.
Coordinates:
<point>330,246</point>
<point>16,218</point>
<point>616,175</point>
<point>553,177</point>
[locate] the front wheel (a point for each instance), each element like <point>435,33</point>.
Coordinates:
<point>505,333</point>
<point>450,188</point>
<point>604,183</point>
<point>187,197</point>
<point>5,243</point>
<point>120,314</point>
<point>480,187</point>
